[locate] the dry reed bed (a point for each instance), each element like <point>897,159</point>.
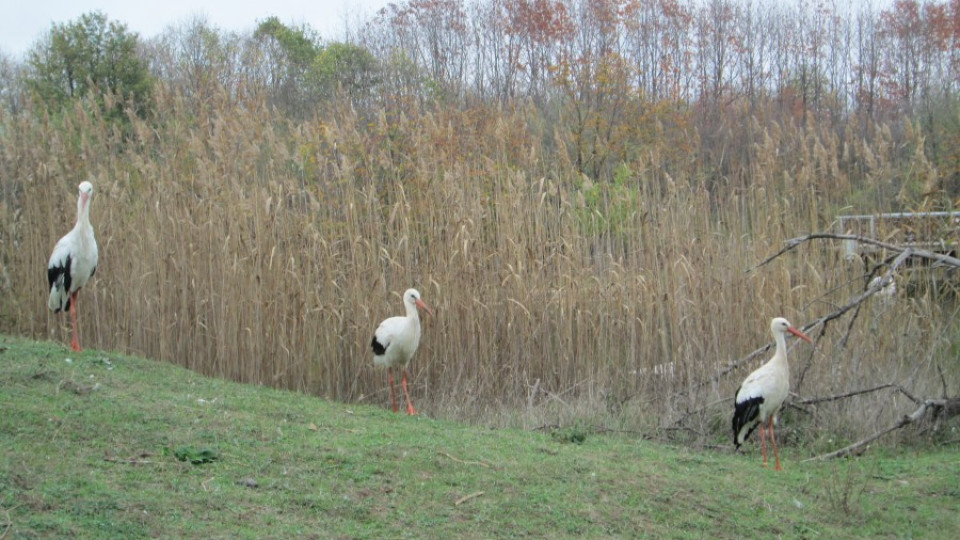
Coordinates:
<point>249,247</point>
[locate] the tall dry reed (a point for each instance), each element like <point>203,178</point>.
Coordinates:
<point>247,246</point>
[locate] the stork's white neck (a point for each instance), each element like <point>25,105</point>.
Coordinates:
<point>780,357</point>
<point>412,312</point>
<point>83,211</point>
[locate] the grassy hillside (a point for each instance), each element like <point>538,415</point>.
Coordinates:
<point>99,445</point>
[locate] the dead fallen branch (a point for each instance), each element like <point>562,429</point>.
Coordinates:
<point>826,399</point>
<point>934,406</point>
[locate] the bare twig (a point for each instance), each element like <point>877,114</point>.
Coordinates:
<point>480,463</point>
<point>906,420</point>
<point>131,461</point>
<point>910,396</point>
<point>943,381</point>
<point>914,252</point>
<point>6,527</point>
<point>466,498</point>
<point>9,523</point>
<point>813,401</point>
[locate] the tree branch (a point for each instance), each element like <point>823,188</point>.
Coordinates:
<point>935,404</point>
<point>914,252</point>
<point>814,401</point>
<point>856,301</point>
<point>903,254</point>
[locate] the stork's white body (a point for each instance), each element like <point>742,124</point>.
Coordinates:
<point>396,340</point>
<point>759,398</point>
<point>771,384</point>
<point>73,262</point>
<point>400,337</point>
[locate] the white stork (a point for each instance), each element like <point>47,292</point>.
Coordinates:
<point>73,262</point>
<point>395,341</point>
<point>762,393</point>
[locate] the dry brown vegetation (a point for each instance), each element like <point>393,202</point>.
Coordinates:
<point>263,250</point>
<point>264,247</point>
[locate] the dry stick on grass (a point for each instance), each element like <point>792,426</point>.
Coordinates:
<point>8,524</point>
<point>131,461</point>
<point>935,405</point>
<point>466,498</point>
<point>481,463</point>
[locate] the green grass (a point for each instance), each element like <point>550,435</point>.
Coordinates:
<point>89,447</point>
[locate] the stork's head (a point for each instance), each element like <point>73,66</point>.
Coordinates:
<point>86,191</point>
<point>412,297</point>
<point>779,325</point>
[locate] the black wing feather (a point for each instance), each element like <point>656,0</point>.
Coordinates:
<point>59,275</point>
<point>746,414</point>
<point>378,348</point>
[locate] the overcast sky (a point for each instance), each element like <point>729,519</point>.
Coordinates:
<point>23,22</point>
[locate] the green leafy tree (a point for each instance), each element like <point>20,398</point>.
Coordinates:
<point>303,73</point>
<point>88,55</point>
<point>290,53</point>
<point>347,67</point>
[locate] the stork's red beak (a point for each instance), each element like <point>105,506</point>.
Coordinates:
<point>422,306</point>
<point>799,334</point>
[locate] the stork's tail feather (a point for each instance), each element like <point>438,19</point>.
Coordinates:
<point>378,348</point>
<point>745,419</point>
<point>59,299</point>
<point>58,276</point>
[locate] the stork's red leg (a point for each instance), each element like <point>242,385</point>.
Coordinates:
<point>763,442</point>
<point>75,343</point>
<point>393,396</point>
<point>403,381</point>
<point>773,441</point>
